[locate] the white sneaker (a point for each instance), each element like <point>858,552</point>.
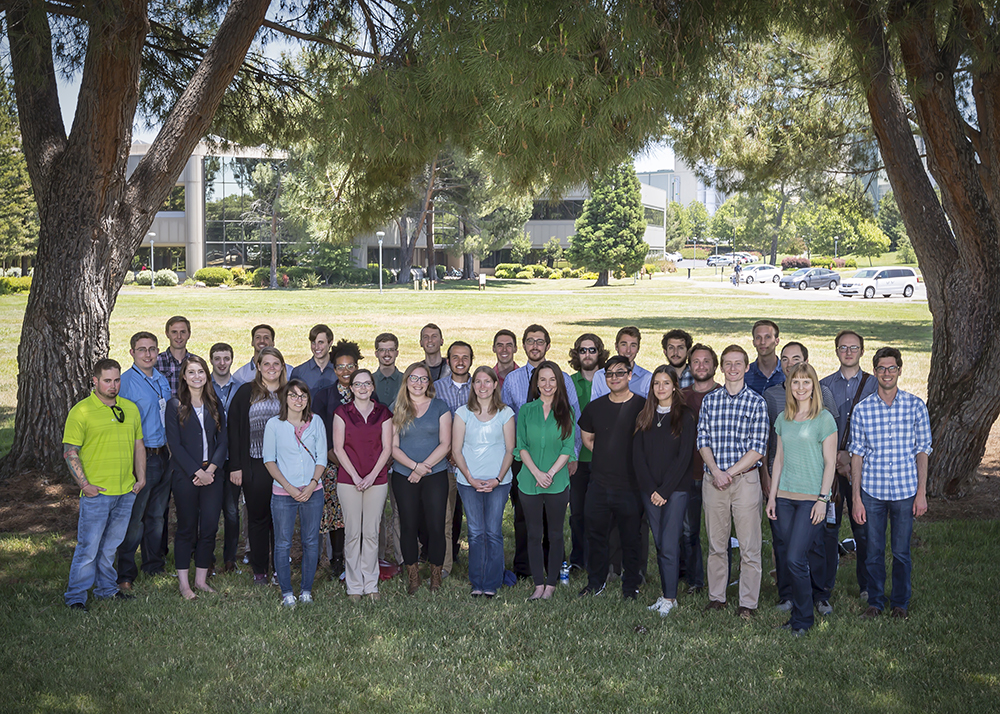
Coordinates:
<point>658,604</point>
<point>305,596</point>
<point>667,606</point>
<point>288,601</point>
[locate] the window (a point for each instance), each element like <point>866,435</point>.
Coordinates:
<point>654,216</point>
<point>558,211</point>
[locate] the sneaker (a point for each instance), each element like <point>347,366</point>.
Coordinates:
<point>783,606</point>
<point>823,607</point>
<point>658,604</point>
<point>591,591</point>
<point>305,596</point>
<point>121,595</point>
<point>695,589</point>
<point>667,606</point>
<point>77,606</point>
<point>715,605</point>
<point>864,596</point>
<point>288,601</point>
<point>630,594</point>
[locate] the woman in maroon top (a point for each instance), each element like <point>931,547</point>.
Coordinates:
<point>362,441</point>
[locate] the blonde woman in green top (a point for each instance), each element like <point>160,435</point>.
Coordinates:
<point>545,445</point>
<point>804,463</point>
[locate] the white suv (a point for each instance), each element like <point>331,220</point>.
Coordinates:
<point>870,282</point>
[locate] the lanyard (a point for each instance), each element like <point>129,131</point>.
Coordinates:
<point>148,383</point>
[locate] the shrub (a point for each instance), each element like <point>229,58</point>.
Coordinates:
<point>12,273</point>
<point>190,283</point>
<point>10,286</point>
<point>507,271</point>
<point>261,277</point>
<point>794,263</point>
<point>538,271</point>
<point>651,268</point>
<point>311,280</point>
<point>850,263</point>
<point>144,277</point>
<point>129,277</point>
<point>509,266</point>
<point>165,278</point>
<point>524,275</point>
<point>821,262</point>
<point>214,277</point>
<point>567,272</point>
<point>555,275</point>
<point>588,276</point>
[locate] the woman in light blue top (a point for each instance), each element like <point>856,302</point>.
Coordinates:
<point>482,437</point>
<point>295,456</point>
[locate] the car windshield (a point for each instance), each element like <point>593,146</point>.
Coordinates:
<point>800,271</point>
<point>866,273</point>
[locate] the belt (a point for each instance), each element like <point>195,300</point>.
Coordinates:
<point>745,471</point>
<point>156,450</point>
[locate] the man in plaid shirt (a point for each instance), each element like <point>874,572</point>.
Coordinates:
<point>168,362</point>
<point>732,439</point>
<point>890,443</point>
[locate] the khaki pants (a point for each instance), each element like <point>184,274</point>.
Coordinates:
<point>362,515</point>
<point>742,499</point>
<point>449,518</point>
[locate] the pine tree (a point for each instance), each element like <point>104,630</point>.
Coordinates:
<point>18,212</point>
<point>609,234</point>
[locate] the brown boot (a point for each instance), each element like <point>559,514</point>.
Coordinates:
<point>413,578</point>
<point>435,578</point>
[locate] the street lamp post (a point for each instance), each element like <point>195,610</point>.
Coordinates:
<point>380,235</point>
<point>152,268</point>
<point>836,240</point>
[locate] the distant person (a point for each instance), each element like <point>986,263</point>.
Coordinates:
<point>178,332</point>
<point>482,445</point>
<point>197,436</point>
<point>676,346</point>
<point>317,371</point>
<point>295,456</point>
<point>102,446</point>
<point>765,372</point>
<point>431,340</point>
<point>890,445</point>
<point>261,336</point>
<point>627,344</point>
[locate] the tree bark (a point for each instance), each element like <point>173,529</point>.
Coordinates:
<point>405,250</point>
<point>957,242</point>
<point>429,240</point>
<point>91,219</point>
<point>602,279</point>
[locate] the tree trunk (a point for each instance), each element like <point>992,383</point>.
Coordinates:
<point>468,266</point>
<point>602,279</point>
<point>429,241</point>
<point>405,250</point>
<point>958,250</point>
<point>778,220</point>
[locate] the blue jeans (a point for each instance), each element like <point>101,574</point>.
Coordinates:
<point>484,520</point>
<point>283,512</point>
<point>899,515</point>
<point>666,523</point>
<point>156,474</point>
<point>800,545</point>
<point>832,541</point>
<point>102,525</point>
<point>692,562</point>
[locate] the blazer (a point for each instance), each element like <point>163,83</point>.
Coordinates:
<point>185,441</point>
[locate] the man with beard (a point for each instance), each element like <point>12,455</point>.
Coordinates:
<point>676,347</point>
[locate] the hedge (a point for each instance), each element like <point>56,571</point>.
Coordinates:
<point>214,277</point>
<point>10,286</point>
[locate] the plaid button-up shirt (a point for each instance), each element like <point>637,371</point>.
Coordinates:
<point>731,425</point>
<point>888,438</point>
<point>170,368</point>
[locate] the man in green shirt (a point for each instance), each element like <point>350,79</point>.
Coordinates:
<point>587,356</point>
<point>102,445</point>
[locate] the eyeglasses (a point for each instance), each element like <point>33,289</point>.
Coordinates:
<point>385,350</point>
<point>617,374</point>
<point>119,414</point>
<point>587,350</point>
<point>849,348</point>
<point>298,397</point>
<point>147,350</point>
<point>346,367</point>
<point>418,380</point>
<point>362,385</point>
<point>532,342</point>
<point>887,370</point>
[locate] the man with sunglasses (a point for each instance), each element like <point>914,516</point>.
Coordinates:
<point>890,444</point>
<point>103,448</point>
<point>848,385</point>
<point>147,388</point>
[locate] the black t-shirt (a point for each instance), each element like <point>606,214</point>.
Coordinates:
<point>612,424</point>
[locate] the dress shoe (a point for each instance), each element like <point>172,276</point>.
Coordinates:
<point>125,586</point>
<point>871,613</point>
<point>715,605</point>
<point>899,612</point>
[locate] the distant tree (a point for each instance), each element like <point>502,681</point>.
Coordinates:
<point>18,211</point>
<point>872,242</point>
<point>610,233</point>
<point>520,247</point>
<point>552,251</point>
<point>697,216</point>
<point>904,251</point>
<point>891,221</point>
<point>681,219</point>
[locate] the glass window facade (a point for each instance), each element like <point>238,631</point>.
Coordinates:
<point>654,216</point>
<point>558,211</point>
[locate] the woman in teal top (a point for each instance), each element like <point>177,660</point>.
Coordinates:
<point>545,445</point>
<point>800,490</point>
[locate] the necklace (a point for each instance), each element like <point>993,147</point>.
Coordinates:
<point>663,414</point>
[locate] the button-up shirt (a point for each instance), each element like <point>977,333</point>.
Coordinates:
<point>731,425</point>
<point>888,437</point>
<point>453,394</point>
<point>843,391</point>
<point>502,377</point>
<point>314,377</point>
<point>225,392</point>
<point>639,384</point>
<point>515,394</point>
<point>147,392</point>
<point>685,378</point>
<point>756,380</point>
<point>387,388</point>
<point>171,369</point>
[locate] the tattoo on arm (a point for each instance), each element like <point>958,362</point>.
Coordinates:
<point>71,454</point>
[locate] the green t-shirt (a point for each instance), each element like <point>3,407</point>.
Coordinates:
<point>583,391</point>
<point>802,441</point>
<point>542,438</point>
<point>107,448</point>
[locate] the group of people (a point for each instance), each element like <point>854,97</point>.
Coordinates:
<point>627,451</point>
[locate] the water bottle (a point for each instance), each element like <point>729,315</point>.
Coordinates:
<point>564,574</point>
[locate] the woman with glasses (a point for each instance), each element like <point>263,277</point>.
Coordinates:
<point>362,441</point>
<point>665,436</point>
<point>421,440</point>
<point>253,405</point>
<point>346,357</point>
<point>545,445</point>
<point>196,435</point>
<point>483,438</point>
<point>804,464</point>
<point>295,456</point>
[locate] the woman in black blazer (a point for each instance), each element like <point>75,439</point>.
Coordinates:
<point>196,435</point>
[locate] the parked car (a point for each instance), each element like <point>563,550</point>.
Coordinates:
<point>811,278</point>
<point>674,257</point>
<point>870,282</point>
<point>760,274</point>
<point>745,257</point>
<point>720,259</point>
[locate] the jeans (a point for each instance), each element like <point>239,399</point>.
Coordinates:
<point>484,519</point>
<point>197,509</point>
<point>545,512</point>
<point>230,517</point>
<point>427,499</point>
<point>283,512</point>
<point>667,523</point>
<point>899,515</point>
<point>625,507</point>
<point>578,484</point>
<point>153,521</point>
<point>832,541</point>
<point>691,558</point>
<point>800,544</point>
<point>156,473</point>
<point>102,526</point>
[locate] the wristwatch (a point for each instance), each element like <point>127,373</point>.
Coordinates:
<point>824,498</point>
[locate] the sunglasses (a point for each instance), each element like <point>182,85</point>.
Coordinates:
<point>588,350</point>
<point>119,414</point>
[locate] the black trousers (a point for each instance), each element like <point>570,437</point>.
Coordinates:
<point>578,484</point>
<point>260,531</point>
<point>536,509</point>
<point>198,509</point>
<point>426,499</point>
<point>230,517</point>
<point>521,568</point>
<point>625,506</point>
